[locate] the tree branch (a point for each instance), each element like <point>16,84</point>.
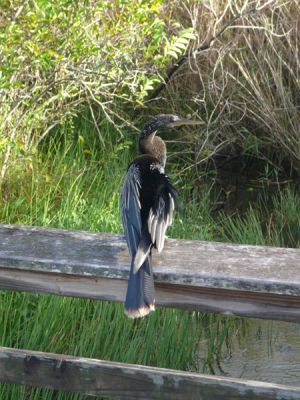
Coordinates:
<point>186,55</point>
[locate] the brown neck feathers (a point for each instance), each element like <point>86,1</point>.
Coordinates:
<point>154,146</point>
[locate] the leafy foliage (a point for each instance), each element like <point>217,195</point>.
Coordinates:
<point>61,57</point>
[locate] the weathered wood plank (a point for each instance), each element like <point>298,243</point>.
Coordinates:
<point>193,263</point>
<point>242,303</point>
<point>251,281</point>
<point>126,381</point>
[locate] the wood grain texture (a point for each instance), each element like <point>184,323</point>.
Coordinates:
<point>242,303</point>
<point>126,381</point>
<point>251,281</point>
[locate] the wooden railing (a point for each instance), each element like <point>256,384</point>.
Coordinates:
<point>251,281</point>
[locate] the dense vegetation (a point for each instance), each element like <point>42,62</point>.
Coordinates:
<point>74,83</point>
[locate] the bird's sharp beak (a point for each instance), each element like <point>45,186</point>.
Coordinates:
<point>180,122</point>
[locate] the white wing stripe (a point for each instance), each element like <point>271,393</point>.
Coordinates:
<point>158,222</point>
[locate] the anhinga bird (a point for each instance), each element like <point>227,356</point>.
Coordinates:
<point>147,204</point>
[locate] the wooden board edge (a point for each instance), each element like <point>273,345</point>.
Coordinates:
<point>248,304</point>
<point>128,381</point>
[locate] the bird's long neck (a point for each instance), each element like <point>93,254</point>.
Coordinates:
<point>154,146</point>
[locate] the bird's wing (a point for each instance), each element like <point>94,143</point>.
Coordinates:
<point>131,207</point>
<point>161,214</point>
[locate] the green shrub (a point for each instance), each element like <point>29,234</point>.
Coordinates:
<point>59,58</point>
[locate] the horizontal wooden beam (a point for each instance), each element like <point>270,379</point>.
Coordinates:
<point>126,381</point>
<point>266,306</point>
<point>253,281</point>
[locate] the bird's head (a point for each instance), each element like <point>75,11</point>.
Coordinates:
<point>164,121</point>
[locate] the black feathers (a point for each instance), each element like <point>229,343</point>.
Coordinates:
<point>147,204</point>
<point>158,122</point>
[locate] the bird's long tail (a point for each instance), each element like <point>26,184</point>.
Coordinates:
<point>140,291</point>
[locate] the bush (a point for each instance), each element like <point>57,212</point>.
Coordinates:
<point>245,86</point>
<point>60,58</point>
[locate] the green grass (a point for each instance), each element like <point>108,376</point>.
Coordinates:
<point>270,223</point>
<point>76,186</point>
